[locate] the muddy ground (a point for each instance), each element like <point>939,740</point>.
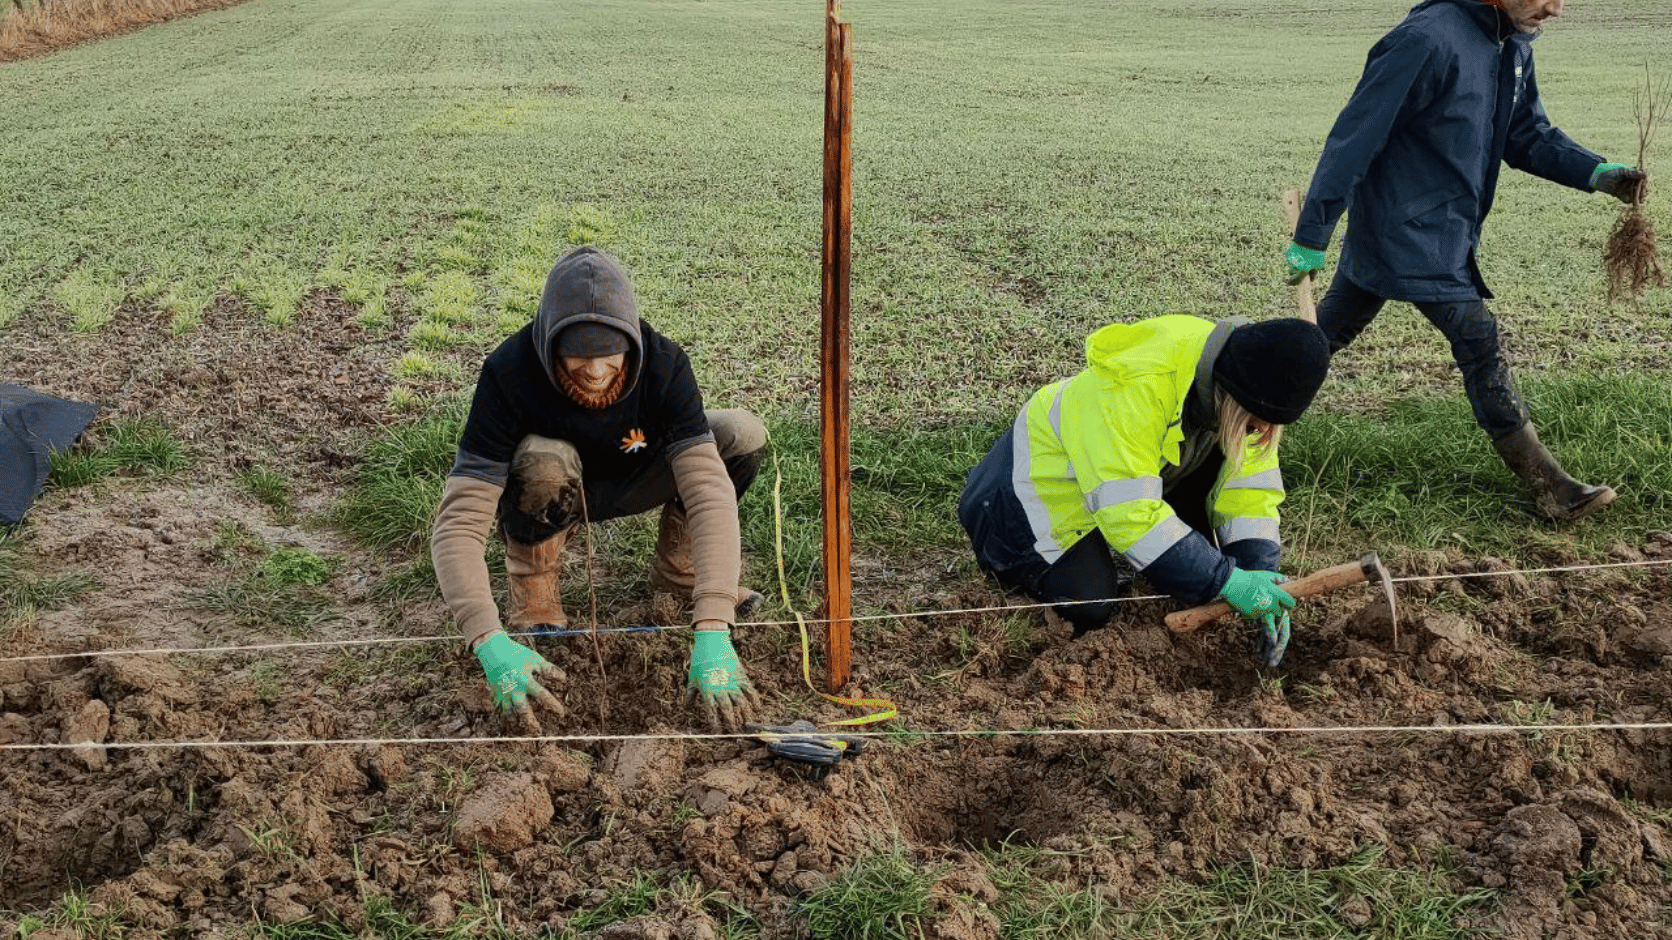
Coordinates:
<point>1569,828</point>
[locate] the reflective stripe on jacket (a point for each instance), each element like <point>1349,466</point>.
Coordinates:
<point>1091,450</point>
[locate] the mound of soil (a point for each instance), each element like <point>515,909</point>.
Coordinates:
<point>1567,826</point>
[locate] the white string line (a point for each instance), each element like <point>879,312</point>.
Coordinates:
<point>1500,574</point>
<point>1355,730</point>
<point>653,628</point>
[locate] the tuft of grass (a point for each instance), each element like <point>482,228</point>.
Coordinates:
<point>1581,883</point>
<point>433,336</point>
<point>1033,904</point>
<point>256,603</point>
<point>141,445</point>
<point>275,842</point>
<point>1361,898</point>
<point>395,492</point>
<point>282,590</point>
<point>268,486</point>
<point>76,915</point>
<point>1530,715</point>
<point>90,298</point>
<point>449,298</point>
<point>22,593</point>
<point>625,899</point>
<point>264,680</point>
<point>1649,814</point>
<point>374,314</point>
<point>410,583</point>
<point>185,308</point>
<point>882,897</point>
<point>415,364</point>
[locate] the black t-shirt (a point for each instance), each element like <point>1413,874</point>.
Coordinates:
<point>659,416</point>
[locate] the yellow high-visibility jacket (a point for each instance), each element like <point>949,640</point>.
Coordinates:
<point>1093,450</point>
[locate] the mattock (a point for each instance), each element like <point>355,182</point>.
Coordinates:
<point>1367,569</point>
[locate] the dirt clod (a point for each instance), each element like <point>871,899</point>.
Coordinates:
<point>89,726</point>
<point>504,814</point>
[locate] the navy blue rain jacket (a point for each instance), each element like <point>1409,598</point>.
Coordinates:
<point>1445,96</point>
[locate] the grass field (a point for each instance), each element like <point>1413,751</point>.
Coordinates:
<point>1025,171</point>
<point>1023,174</point>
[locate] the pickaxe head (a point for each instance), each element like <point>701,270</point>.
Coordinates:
<point>1377,573</point>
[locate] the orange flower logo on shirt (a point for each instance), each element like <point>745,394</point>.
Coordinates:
<point>634,441</point>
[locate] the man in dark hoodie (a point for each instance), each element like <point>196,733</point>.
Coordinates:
<point>588,386</point>
<point>1445,97</point>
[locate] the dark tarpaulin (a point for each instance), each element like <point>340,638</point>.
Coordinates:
<point>32,426</point>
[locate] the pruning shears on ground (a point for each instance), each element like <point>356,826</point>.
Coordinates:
<point>802,743</point>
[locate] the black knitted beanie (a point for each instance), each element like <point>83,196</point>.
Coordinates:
<point>1273,367</point>
<point>591,339</point>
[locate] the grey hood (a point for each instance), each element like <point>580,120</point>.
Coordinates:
<point>588,286</point>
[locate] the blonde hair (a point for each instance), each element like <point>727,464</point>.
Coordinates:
<point>1233,431</point>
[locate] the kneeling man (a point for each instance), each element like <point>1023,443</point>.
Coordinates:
<point>589,403</point>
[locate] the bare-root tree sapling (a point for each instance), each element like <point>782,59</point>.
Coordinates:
<point>1632,257</point>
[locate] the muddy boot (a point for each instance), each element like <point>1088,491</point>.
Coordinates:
<point>748,602</point>
<point>673,572</point>
<point>673,575</point>
<point>531,572</point>
<point>1555,494</point>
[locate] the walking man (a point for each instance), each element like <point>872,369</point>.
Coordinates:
<point>1446,97</point>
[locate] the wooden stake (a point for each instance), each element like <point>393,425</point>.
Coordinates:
<point>1303,290</point>
<point>833,344</point>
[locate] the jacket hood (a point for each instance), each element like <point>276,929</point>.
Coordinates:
<point>1493,21</point>
<point>588,286</point>
<point>1148,347</point>
<point>1162,345</point>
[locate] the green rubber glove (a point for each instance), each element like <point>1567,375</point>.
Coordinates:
<point>511,669</point>
<point>717,681</point>
<point>1301,261</point>
<point>1255,593</point>
<point>1623,182</point>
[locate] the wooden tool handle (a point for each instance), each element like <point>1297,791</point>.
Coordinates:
<point>1318,582</point>
<point>1303,290</point>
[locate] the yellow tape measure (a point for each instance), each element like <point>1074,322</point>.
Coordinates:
<point>888,708</point>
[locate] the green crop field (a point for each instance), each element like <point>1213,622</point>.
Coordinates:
<point>1024,172</point>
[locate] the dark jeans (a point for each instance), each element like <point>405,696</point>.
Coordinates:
<point>1470,328</point>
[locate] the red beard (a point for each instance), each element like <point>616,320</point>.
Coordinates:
<point>592,400</point>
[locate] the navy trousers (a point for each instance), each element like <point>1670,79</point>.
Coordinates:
<point>1470,328</point>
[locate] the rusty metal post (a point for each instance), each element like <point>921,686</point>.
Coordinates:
<point>833,344</point>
